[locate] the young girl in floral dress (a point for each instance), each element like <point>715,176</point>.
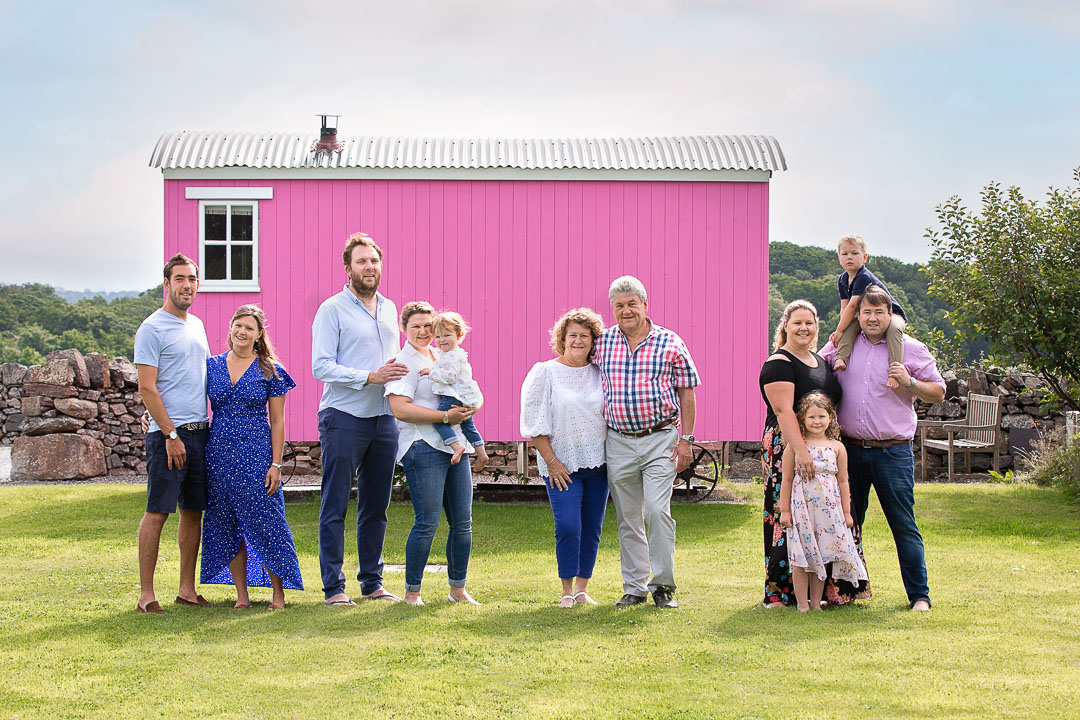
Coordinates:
<point>816,512</point>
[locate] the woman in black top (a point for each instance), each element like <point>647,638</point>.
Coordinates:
<point>794,370</point>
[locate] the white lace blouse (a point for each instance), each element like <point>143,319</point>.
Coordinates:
<point>566,404</point>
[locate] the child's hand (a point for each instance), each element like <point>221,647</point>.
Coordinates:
<point>848,520</point>
<point>785,519</point>
<point>425,372</point>
<point>834,338</point>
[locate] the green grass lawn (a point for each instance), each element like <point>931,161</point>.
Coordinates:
<point>1003,639</point>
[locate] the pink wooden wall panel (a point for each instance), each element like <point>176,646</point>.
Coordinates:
<point>511,256</point>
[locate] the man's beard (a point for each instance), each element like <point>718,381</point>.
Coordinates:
<point>360,288</point>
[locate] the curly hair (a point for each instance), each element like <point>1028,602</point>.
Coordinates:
<point>818,399</point>
<point>450,320</point>
<point>583,316</point>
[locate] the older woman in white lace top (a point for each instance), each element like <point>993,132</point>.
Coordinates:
<point>562,410</point>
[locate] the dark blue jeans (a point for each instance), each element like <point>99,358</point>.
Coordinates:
<point>435,485</point>
<point>579,519</point>
<point>891,472</point>
<point>361,449</point>
<point>446,431</point>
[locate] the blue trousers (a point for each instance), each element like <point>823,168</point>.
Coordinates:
<point>360,449</point>
<point>891,472</point>
<point>468,426</point>
<point>436,485</point>
<point>579,519</point>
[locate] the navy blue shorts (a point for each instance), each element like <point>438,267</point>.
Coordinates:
<point>166,488</point>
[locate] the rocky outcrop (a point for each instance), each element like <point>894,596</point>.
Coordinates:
<point>60,456</point>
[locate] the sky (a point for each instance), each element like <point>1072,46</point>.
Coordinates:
<point>883,109</point>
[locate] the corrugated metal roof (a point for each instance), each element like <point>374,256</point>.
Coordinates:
<point>195,149</point>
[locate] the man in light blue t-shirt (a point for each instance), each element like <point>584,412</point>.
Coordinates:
<point>170,354</point>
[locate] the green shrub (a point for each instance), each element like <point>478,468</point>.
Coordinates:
<point>1052,462</point>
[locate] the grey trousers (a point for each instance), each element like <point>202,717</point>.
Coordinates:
<point>641,475</point>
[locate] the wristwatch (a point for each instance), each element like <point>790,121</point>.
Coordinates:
<point>911,382</point>
<point>687,438</point>
<point>173,435</point>
<point>446,418</point>
<point>279,466</point>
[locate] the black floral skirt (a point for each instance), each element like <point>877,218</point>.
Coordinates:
<point>777,570</point>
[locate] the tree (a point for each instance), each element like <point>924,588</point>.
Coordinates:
<point>1012,276</point>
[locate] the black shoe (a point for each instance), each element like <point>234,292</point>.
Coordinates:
<point>629,600</point>
<point>663,599</point>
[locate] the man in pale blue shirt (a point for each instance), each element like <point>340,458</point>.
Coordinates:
<point>170,355</point>
<point>354,341</point>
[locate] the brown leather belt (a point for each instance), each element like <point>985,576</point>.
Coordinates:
<point>650,431</point>
<point>859,442</point>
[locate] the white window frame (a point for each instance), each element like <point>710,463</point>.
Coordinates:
<point>228,284</point>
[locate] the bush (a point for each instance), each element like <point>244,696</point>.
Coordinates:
<point>1051,462</point>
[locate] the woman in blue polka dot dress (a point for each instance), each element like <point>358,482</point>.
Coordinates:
<point>246,539</point>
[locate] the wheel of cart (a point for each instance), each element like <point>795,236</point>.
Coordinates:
<point>699,479</point>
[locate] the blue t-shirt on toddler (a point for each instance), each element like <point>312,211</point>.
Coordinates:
<point>863,279</point>
<point>178,350</point>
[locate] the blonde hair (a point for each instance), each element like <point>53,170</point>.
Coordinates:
<point>855,240</point>
<point>416,307</point>
<point>818,399</point>
<point>359,238</point>
<point>780,338</point>
<point>264,349</point>
<point>583,316</point>
<point>450,320</point>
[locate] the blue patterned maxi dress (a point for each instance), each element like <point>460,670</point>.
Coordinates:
<point>238,456</point>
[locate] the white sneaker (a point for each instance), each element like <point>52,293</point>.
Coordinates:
<point>466,599</point>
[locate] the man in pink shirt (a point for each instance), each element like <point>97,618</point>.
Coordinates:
<point>878,424</point>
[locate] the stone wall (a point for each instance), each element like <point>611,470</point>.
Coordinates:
<point>78,417</point>
<point>74,417</point>
<point>1022,396</point>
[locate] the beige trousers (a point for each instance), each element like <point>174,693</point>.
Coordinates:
<point>894,338</point>
<point>641,475</point>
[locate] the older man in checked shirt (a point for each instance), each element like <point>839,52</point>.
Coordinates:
<point>649,380</point>
<point>878,425</point>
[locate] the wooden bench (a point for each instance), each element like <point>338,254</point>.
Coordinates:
<point>978,433</point>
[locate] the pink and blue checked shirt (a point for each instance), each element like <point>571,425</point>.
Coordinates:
<point>640,386</point>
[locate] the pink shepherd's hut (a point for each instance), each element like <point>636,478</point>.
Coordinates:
<point>510,232</point>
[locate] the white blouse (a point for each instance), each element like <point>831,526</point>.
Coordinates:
<point>452,375</point>
<point>566,404</point>
<point>419,390</point>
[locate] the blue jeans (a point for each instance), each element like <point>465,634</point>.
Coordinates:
<point>446,431</point>
<point>579,519</point>
<point>891,472</point>
<point>435,485</point>
<point>362,449</point>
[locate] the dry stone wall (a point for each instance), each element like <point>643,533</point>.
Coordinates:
<point>74,417</point>
<point>78,417</point>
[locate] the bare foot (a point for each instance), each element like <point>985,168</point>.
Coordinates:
<point>920,606</point>
<point>412,597</point>
<point>277,604</point>
<point>582,598</point>
<point>459,450</point>
<point>566,601</point>
<point>242,605</point>
<point>772,605</point>
<point>839,364</point>
<point>481,459</point>
<point>459,595</point>
<point>339,600</point>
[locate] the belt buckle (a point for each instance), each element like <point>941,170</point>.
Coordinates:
<point>867,444</point>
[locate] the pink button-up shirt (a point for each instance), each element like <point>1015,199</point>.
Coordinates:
<point>870,410</point>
